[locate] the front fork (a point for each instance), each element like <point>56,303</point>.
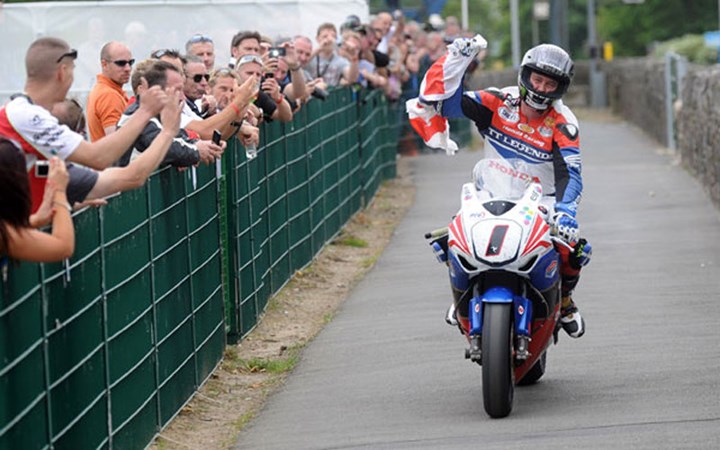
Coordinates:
<point>522,308</point>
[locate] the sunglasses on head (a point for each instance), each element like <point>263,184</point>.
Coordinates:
<point>198,78</point>
<point>223,71</point>
<point>71,54</point>
<point>157,54</point>
<point>123,62</point>
<point>199,38</point>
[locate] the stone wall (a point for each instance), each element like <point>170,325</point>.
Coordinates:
<point>698,127</point>
<point>636,92</point>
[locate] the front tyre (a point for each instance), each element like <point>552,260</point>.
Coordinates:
<point>497,368</point>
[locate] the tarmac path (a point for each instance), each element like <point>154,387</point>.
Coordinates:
<point>388,373</point>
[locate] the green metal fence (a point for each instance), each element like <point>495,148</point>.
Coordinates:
<point>102,351</point>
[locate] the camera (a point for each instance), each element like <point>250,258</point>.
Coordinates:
<point>42,168</point>
<point>320,93</point>
<point>276,52</point>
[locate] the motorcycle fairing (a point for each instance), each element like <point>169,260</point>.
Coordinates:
<point>497,294</point>
<point>546,271</point>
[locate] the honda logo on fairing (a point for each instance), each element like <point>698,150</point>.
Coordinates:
<point>514,173</point>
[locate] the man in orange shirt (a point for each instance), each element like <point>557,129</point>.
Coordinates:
<point>107,100</point>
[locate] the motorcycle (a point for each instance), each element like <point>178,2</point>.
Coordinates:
<point>503,263</point>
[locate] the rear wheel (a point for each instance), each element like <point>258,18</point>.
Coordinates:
<point>497,368</point>
<point>535,373</point>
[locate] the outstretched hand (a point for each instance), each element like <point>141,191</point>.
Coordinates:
<point>246,92</point>
<point>170,114</point>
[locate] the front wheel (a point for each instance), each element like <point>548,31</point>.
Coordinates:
<point>497,367</point>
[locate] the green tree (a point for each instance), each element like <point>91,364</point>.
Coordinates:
<point>634,29</point>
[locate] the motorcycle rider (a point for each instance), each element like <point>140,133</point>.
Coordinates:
<point>528,121</point>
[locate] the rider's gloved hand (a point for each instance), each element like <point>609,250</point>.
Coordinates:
<point>469,46</point>
<point>565,225</point>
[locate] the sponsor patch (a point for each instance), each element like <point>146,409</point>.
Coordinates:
<point>508,115</point>
<point>551,268</point>
<point>550,121</point>
<point>545,131</point>
<point>526,128</point>
<point>521,310</point>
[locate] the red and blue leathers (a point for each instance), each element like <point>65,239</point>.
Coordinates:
<point>549,145</point>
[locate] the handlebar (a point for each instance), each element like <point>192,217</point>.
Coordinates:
<point>436,233</point>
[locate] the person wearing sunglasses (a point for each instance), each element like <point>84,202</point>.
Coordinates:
<point>107,99</point>
<point>201,104</point>
<point>26,119</point>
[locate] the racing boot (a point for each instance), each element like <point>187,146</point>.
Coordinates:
<point>570,318</point>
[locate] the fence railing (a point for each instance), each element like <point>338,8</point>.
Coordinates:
<point>103,350</point>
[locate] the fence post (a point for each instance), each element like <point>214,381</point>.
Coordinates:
<point>675,70</point>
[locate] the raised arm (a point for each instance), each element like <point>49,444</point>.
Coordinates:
<point>28,244</point>
<point>104,152</point>
<point>223,120</point>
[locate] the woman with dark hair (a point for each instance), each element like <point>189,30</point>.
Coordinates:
<point>18,240</point>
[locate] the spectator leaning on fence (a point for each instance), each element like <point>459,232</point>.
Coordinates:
<point>326,63</point>
<point>185,150</point>
<point>87,184</point>
<point>290,75</point>
<point>203,47</point>
<point>315,87</point>
<point>199,103</point>
<point>26,120</point>
<point>18,239</point>
<point>250,70</point>
<point>227,120</point>
<point>223,84</point>
<point>107,99</point>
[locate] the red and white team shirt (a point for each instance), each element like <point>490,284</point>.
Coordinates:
<point>38,133</point>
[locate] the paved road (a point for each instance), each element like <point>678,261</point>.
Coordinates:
<point>387,373</point>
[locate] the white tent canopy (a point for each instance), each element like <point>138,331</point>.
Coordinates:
<point>149,25</point>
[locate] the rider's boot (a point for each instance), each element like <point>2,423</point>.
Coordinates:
<point>570,318</point>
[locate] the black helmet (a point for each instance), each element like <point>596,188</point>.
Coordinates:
<point>550,60</point>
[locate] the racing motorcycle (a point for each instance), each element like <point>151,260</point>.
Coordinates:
<point>501,254</point>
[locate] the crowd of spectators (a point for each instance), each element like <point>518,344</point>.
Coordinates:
<point>181,99</point>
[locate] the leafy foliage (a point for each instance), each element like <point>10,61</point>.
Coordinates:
<point>691,46</point>
<point>634,29</point>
